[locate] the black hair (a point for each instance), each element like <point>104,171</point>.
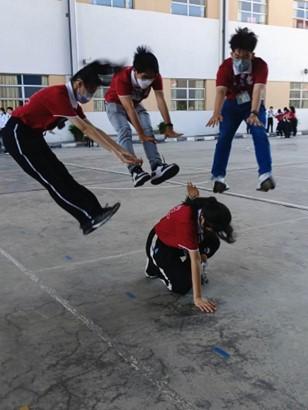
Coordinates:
<point>97,73</point>
<point>145,61</point>
<point>243,39</point>
<point>279,110</point>
<point>2,109</point>
<point>209,244</point>
<point>292,108</point>
<point>286,109</point>
<point>217,216</point>
<point>9,108</point>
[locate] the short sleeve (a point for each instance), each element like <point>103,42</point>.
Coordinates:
<point>57,102</point>
<point>158,83</point>
<point>261,73</point>
<point>123,84</point>
<point>187,237</point>
<point>223,76</point>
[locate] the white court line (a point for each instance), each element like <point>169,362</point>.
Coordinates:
<point>85,262</point>
<point>161,385</point>
<point>142,250</point>
<point>234,194</point>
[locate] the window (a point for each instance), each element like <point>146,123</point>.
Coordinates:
<point>299,95</point>
<point>98,99</point>
<point>15,89</point>
<point>187,95</point>
<point>194,8</point>
<point>300,14</point>
<point>128,4</point>
<point>253,11</point>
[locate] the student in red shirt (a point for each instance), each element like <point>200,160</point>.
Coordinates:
<point>240,90</point>
<point>186,236</point>
<point>23,137</point>
<point>123,106</point>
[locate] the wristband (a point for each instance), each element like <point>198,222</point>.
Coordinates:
<point>255,113</point>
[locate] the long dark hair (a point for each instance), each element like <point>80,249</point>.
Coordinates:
<point>217,216</point>
<point>97,73</point>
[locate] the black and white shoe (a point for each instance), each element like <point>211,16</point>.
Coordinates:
<point>220,187</point>
<point>100,219</point>
<point>164,172</point>
<point>267,184</point>
<point>139,176</point>
<point>151,271</point>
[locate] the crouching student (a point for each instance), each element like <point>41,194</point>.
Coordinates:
<point>183,239</point>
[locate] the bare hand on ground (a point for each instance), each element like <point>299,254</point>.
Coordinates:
<point>205,305</point>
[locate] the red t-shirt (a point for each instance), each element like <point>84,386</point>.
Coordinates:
<point>46,109</point>
<point>178,228</point>
<point>242,82</point>
<point>122,85</point>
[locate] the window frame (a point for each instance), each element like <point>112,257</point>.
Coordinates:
<point>303,20</point>
<point>188,4</point>
<point>22,86</point>
<point>252,12</point>
<point>127,4</point>
<point>301,87</point>
<point>187,100</point>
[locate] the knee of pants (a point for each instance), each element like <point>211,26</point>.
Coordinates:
<point>182,287</point>
<point>124,134</point>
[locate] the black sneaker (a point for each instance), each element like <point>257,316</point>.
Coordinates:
<point>139,176</point>
<point>164,172</point>
<point>220,187</point>
<point>267,184</point>
<point>100,219</point>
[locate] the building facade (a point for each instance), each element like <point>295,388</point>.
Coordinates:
<point>46,40</point>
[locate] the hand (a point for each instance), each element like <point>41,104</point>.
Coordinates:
<point>205,305</point>
<point>128,158</point>
<point>147,138</point>
<point>214,120</point>
<point>170,133</point>
<point>192,190</point>
<point>253,119</point>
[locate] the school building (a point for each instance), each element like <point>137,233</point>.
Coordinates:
<point>44,41</point>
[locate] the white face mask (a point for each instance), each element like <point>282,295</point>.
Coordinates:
<point>144,83</point>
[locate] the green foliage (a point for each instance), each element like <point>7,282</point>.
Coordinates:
<point>161,127</point>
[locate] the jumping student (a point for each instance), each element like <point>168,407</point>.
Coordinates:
<point>123,99</point>
<point>240,90</point>
<point>185,237</point>
<point>23,137</point>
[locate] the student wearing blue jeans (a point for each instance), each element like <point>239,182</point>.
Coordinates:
<point>240,89</point>
<point>123,99</point>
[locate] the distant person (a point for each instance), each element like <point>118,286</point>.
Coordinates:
<point>286,122</point>
<point>240,90</point>
<point>270,119</point>
<point>293,120</point>
<point>123,99</point>
<point>279,118</point>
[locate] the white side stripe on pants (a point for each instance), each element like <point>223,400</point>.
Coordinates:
<point>152,247</point>
<point>43,179</point>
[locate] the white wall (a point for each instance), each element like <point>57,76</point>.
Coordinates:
<point>34,37</point>
<point>186,47</point>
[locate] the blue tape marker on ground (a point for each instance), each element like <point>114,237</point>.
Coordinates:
<point>222,353</point>
<point>68,258</point>
<point>131,295</point>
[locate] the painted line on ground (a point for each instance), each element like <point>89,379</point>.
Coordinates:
<point>128,358</point>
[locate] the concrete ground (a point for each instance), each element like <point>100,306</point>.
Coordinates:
<point>81,328</point>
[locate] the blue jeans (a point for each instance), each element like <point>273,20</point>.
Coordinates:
<point>120,122</point>
<point>233,114</point>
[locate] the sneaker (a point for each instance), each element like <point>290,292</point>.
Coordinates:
<point>100,219</point>
<point>220,187</point>
<point>164,172</point>
<point>266,184</point>
<point>139,176</point>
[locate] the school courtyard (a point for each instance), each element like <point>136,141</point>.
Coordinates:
<point>83,329</point>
